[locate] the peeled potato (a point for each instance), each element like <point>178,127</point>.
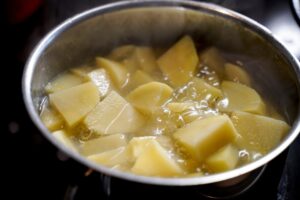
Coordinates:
<point>179,107</point>
<point>237,74</point>
<point>146,59</point>
<point>185,112</point>
<point>258,133</point>
<point>81,71</point>
<point>102,144</point>
<point>150,96</point>
<point>76,102</point>
<point>199,90</point>
<point>113,115</point>
<point>154,160</point>
<point>188,111</point>
<point>242,98</point>
<point>140,78</point>
<point>64,139</point>
<point>63,81</point>
<point>212,58</point>
<point>203,137</point>
<point>112,158</point>
<point>118,73</point>
<point>101,79</point>
<point>224,159</point>
<point>122,52</point>
<point>52,119</point>
<point>138,144</point>
<point>178,64</point>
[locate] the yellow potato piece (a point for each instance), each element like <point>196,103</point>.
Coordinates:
<point>52,119</point>
<point>114,115</point>
<point>154,160</point>
<point>130,63</point>
<point>224,159</point>
<point>102,144</point>
<point>199,90</point>
<point>74,103</point>
<point>101,79</point>
<point>64,139</point>
<point>178,64</point>
<point>237,74</point>
<point>179,107</point>
<point>242,98</point>
<point>139,78</point>
<point>81,71</point>
<point>141,58</point>
<point>258,133</point>
<point>150,96</point>
<point>137,145</point>
<point>112,158</point>
<point>145,58</point>
<point>118,73</point>
<point>121,53</point>
<point>204,137</point>
<point>63,81</point>
<point>185,112</point>
<point>212,58</point>
<point>189,111</point>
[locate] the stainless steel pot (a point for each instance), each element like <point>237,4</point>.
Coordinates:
<point>97,31</point>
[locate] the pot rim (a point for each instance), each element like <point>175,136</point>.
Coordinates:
<point>177,4</point>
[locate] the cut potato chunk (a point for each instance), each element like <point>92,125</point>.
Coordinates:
<point>150,96</point>
<point>242,98</point>
<point>74,103</point>
<point>100,78</point>
<point>113,115</point>
<point>64,139</point>
<point>145,58</point>
<point>112,158</point>
<point>137,145</point>
<point>237,74</point>
<point>118,73</point>
<point>186,111</point>
<point>81,71</point>
<point>199,90</point>
<point>212,58</point>
<point>154,160</point>
<point>179,63</point>
<point>52,119</point>
<point>204,137</point>
<point>122,52</point>
<point>179,107</point>
<point>224,159</point>
<point>139,78</point>
<point>258,133</point>
<point>104,143</point>
<point>131,63</point>
<point>62,82</point>
<point>189,111</point>
<point>141,58</point>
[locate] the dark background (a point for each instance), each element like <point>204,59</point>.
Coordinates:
<point>33,169</point>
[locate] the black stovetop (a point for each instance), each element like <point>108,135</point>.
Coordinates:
<point>34,169</point>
